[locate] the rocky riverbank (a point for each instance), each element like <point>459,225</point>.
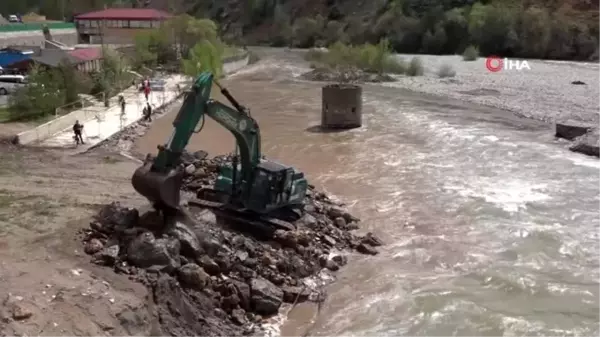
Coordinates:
<point>550,91</point>
<point>210,278</point>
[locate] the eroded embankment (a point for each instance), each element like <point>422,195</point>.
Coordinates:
<point>213,278</point>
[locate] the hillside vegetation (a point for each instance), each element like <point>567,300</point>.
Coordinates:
<point>557,29</point>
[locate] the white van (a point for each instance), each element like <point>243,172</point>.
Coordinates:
<point>10,83</point>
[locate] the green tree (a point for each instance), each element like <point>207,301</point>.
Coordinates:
<point>203,57</point>
<point>69,80</point>
<point>434,43</point>
<point>493,29</point>
<point>306,32</point>
<point>334,32</point>
<point>534,31</point>
<point>184,31</point>
<point>456,28</point>
<point>112,78</point>
<point>40,97</point>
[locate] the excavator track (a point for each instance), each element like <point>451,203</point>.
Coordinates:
<point>262,222</point>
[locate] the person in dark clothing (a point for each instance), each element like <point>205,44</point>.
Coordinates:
<point>148,113</point>
<point>77,128</point>
<point>122,102</point>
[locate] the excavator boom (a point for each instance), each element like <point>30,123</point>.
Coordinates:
<point>160,180</point>
<point>253,192</point>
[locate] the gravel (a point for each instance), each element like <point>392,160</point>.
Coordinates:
<point>544,93</point>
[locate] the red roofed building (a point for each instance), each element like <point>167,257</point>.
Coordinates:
<point>117,25</point>
<point>88,59</point>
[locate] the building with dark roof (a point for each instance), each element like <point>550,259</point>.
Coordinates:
<point>85,60</point>
<point>117,25</point>
<point>14,54</point>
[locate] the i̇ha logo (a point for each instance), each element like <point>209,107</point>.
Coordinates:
<point>495,64</point>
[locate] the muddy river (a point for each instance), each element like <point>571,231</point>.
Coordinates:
<point>491,227</point>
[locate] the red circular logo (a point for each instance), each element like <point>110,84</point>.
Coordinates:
<point>494,64</point>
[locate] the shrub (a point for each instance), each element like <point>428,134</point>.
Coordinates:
<point>394,66</point>
<point>446,70</point>
<point>367,57</point>
<point>471,53</point>
<point>415,67</point>
<point>314,54</point>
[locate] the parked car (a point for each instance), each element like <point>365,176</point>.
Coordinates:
<point>10,83</point>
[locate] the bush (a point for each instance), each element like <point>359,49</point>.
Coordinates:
<point>471,53</point>
<point>415,67</point>
<point>367,57</point>
<point>446,70</point>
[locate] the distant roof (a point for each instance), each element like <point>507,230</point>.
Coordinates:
<point>35,49</point>
<point>53,57</point>
<point>125,14</point>
<point>86,54</point>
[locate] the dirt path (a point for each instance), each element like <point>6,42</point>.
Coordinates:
<point>47,285</point>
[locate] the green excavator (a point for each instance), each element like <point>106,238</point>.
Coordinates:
<point>254,190</point>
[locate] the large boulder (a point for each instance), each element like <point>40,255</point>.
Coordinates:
<point>146,251</point>
<point>265,296</point>
<point>571,129</point>
<point>190,245</point>
<point>193,276</point>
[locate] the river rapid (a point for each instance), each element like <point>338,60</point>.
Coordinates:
<point>491,226</point>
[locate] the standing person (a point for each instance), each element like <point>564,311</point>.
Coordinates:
<point>147,91</point>
<point>122,102</point>
<point>148,113</point>
<point>77,128</point>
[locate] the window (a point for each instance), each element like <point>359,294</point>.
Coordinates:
<point>135,24</point>
<point>145,24</point>
<point>94,24</point>
<point>123,24</point>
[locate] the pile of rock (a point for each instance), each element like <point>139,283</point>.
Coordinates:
<point>209,279</point>
<point>349,75</point>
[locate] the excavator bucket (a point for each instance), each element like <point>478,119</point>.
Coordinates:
<point>162,190</point>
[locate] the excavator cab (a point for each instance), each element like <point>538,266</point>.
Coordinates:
<point>274,186</point>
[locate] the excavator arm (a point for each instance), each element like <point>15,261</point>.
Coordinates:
<point>160,180</point>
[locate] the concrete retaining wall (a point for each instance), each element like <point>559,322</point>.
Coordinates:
<point>65,122</point>
<point>36,38</point>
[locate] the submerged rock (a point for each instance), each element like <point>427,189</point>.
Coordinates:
<point>588,144</point>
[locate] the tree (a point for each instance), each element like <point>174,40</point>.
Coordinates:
<point>40,97</point>
<point>112,75</point>
<point>153,48</point>
<point>184,31</point>
<point>306,32</point>
<point>534,31</point>
<point>69,81</point>
<point>203,57</point>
